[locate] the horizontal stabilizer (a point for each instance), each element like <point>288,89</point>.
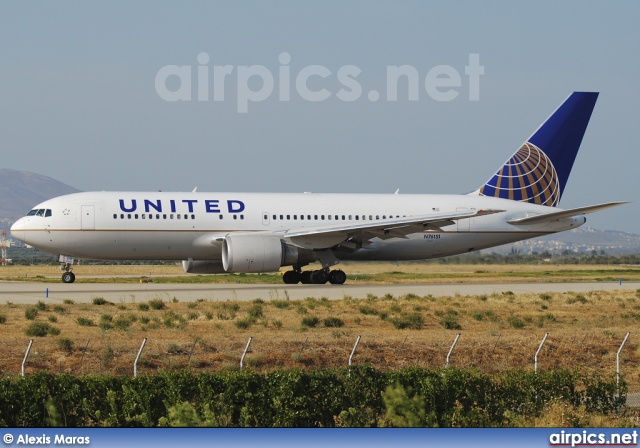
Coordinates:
<point>565,213</point>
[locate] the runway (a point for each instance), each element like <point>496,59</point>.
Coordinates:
<point>31,292</point>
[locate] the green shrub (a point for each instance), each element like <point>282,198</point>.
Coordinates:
<point>579,298</point>
<point>310,321</point>
<point>52,319</point>
<point>280,304</point>
<point>3,318</point>
<point>68,302</point>
<point>65,344</point>
<point>333,322</point>
<point>243,324</point>
<point>366,309</point>
<point>99,301</point>
<point>59,309</point>
<point>516,322</point>
<point>42,306</point>
<point>256,311</point>
<point>122,323</point>
<point>449,322</point>
<point>157,304</point>
<point>545,297</point>
<point>85,322</point>
<point>31,313</point>
<point>413,321</point>
<point>143,306</point>
<point>41,329</point>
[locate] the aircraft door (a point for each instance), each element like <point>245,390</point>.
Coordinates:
<point>265,218</point>
<point>88,220</point>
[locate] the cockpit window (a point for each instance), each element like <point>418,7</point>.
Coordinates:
<point>40,212</point>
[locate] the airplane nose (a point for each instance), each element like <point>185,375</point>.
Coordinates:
<point>17,229</point>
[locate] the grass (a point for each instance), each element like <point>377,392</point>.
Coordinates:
<point>499,331</point>
<point>368,273</point>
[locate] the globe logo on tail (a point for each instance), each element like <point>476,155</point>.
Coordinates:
<point>528,176</point>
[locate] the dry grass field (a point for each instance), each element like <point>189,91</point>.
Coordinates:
<point>498,332</point>
<point>374,273</point>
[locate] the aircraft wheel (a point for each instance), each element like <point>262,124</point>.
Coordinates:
<point>68,277</point>
<point>291,277</point>
<point>319,277</point>
<point>337,277</point>
<point>305,277</point>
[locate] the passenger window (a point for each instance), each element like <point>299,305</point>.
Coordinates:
<point>235,216</point>
<point>136,216</point>
<point>301,217</point>
<point>114,216</point>
<point>241,216</point>
<point>129,216</point>
<point>122,216</point>
<point>357,217</point>
<point>309,217</point>
<point>275,217</point>
<point>288,217</point>
<point>281,217</point>
<point>315,217</point>
<point>220,216</point>
<point>164,216</point>
<point>144,216</point>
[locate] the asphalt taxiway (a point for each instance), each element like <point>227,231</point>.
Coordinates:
<point>54,292</point>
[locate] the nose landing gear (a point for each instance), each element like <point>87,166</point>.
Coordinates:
<point>65,265</point>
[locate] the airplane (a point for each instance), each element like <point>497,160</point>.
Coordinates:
<point>215,233</point>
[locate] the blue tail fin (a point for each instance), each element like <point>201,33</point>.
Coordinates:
<point>539,170</point>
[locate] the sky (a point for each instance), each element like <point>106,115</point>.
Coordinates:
<point>95,95</point>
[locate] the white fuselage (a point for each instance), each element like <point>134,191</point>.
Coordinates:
<point>180,226</point>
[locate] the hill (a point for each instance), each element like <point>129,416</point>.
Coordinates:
<point>21,190</point>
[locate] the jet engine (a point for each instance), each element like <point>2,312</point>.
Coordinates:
<point>192,266</point>
<point>261,253</point>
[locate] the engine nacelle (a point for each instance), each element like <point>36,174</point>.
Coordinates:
<point>192,266</point>
<point>261,253</point>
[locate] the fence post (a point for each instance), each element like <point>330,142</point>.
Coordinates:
<point>535,359</point>
<point>83,352</point>
<point>246,349</point>
<point>26,355</point>
<point>618,362</point>
<point>455,341</point>
<point>135,363</point>
<point>354,349</point>
<point>302,347</point>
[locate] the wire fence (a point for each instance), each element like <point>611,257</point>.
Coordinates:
<point>597,352</point>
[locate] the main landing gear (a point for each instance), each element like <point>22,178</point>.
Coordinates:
<point>65,265</point>
<point>319,277</point>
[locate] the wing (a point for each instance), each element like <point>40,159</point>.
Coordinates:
<point>354,235</point>
<point>553,216</point>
